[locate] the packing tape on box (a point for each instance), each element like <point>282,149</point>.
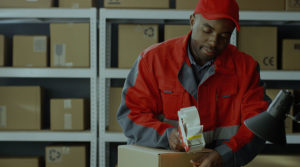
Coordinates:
<point>59,54</point>
<point>67,104</point>
<point>39,44</point>
<point>67,121</point>
<point>3,117</point>
<point>54,155</point>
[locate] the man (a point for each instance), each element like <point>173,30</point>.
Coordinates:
<point>204,70</point>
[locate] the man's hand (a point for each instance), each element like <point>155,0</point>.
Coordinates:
<point>211,159</point>
<point>174,141</point>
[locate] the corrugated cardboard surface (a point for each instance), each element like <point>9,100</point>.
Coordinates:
<point>275,161</point>
<point>70,45</point>
<point>3,56</point>
<point>30,51</point>
<point>136,3</point>
<point>132,155</point>
<point>271,5</point>
<point>26,3</point>
<point>20,107</point>
<point>65,156</point>
<point>172,31</point>
<point>186,4</point>
<point>292,5</point>
<point>132,40</point>
<point>291,54</point>
<point>261,44</point>
<point>16,162</point>
<point>76,3</point>
<point>67,114</point>
<point>114,104</point>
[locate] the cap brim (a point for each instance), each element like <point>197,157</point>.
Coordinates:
<point>221,16</point>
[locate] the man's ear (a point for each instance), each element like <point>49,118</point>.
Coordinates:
<point>192,21</point>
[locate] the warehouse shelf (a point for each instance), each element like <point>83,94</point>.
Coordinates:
<point>115,137</point>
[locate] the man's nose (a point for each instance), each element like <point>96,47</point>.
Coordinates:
<point>213,40</point>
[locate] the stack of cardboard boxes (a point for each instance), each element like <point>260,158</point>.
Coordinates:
<point>47,3</point>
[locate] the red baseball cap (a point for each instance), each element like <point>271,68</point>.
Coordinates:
<point>219,9</point>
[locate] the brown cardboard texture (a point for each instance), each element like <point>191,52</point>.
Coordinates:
<point>136,4</point>
<point>261,44</point>
<point>19,161</point>
<point>76,3</point>
<point>20,107</point>
<point>132,155</point>
<point>63,156</point>
<point>173,31</point>
<point>132,40</point>
<point>114,104</point>
<point>26,4</point>
<point>263,5</point>
<point>3,53</point>
<point>292,5</point>
<point>70,45</point>
<point>30,51</point>
<point>291,54</point>
<point>68,114</point>
<point>186,4</point>
<point>275,161</point>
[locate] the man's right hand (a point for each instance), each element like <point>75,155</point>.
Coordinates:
<point>174,141</point>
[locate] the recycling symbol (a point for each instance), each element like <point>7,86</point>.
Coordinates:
<point>149,32</point>
<point>54,155</point>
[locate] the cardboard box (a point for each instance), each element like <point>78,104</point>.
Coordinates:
<point>68,114</point>
<point>26,3</point>
<point>114,104</point>
<point>173,31</point>
<point>262,5</point>
<point>63,156</point>
<point>20,107</point>
<point>15,162</point>
<point>292,5</point>
<point>132,155</point>
<point>261,44</point>
<point>76,4</point>
<point>3,53</point>
<point>70,45</point>
<point>186,4</point>
<point>141,37</point>
<point>136,4</point>
<point>291,54</point>
<point>30,51</point>
<point>275,161</point>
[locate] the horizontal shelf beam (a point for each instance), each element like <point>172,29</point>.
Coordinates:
<point>115,137</point>
<point>116,73</point>
<point>280,75</point>
<point>269,16</point>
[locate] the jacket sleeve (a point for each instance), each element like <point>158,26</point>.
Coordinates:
<point>140,107</point>
<point>244,146</point>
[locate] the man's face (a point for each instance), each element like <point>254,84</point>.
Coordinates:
<point>209,37</point>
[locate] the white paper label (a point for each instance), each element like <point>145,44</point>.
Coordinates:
<point>68,121</point>
<point>59,54</point>
<point>67,104</point>
<point>39,44</point>
<point>75,5</point>
<point>54,155</point>
<point>3,117</point>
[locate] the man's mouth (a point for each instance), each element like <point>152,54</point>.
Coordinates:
<point>208,51</point>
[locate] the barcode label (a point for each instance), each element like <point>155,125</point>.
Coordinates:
<point>68,121</point>
<point>59,54</point>
<point>3,117</point>
<point>39,44</point>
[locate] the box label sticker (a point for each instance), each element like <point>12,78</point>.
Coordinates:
<point>67,104</point>
<point>59,54</point>
<point>114,2</point>
<point>54,155</point>
<point>39,44</point>
<point>68,121</point>
<point>75,5</point>
<point>3,117</point>
<point>66,150</point>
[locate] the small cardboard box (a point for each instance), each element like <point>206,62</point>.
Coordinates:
<point>186,4</point>
<point>136,4</point>
<point>76,3</point>
<point>68,114</point>
<point>261,44</point>
<point>263,5</point>
<point>292,5</point>
<point>114,104</point>
<point>70,45</point>
<point>30,51</point>
<point>140,36</point>
<point>63,156</point>
<point>22,161</point>
<point>275,161</point>
<point>3,53</point>
<point>132,155</point>
<point>173,31</point>
<point>291,54</point>
<point>20,107</point>
<point>26,3</point>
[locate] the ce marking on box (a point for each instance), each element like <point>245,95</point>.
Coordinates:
<point>269,61</point>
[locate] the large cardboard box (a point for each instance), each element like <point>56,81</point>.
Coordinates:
<point>136,4</point>
<point>3,54</point>
<point>140,36</point>
<point>292,5</point>
<point>64,156</point>
<point>26,3</point>
<point>30,51</point>
<point>275,161</point>
<point>114,104</point>
<point>76,3</point>
<point>20,107</point>
<point>261,44</point>
<point>70,45</point>
<point>173,31</point>
<point>186,4</point>
<point>268,5</point>
<point>68,114</point>
<point>15,162</point>
<point>291,54</point>
<point>132,155</point>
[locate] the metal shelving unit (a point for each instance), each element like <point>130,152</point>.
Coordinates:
<point>90,136</point>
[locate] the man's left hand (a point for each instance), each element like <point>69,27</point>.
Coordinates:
<point>211,159</point>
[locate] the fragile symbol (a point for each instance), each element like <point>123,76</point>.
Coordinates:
<point>268,61</point>
<point>149,31</point>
